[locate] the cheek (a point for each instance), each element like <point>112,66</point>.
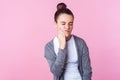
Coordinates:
<point>60,28</point>
<point>71,28</point>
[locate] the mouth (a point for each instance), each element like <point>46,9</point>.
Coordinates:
<point>67,30</point>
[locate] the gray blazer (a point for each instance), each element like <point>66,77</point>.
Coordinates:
<point>57,63</point>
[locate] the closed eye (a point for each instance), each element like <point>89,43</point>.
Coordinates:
<point>63,24</point>
<point>70,24</point>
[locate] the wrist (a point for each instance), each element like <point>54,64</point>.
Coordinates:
<point>62,46</point>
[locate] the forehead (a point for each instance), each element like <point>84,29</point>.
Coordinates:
<point>65,18</point>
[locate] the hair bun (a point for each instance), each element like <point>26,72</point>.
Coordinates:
<point>61,6</point>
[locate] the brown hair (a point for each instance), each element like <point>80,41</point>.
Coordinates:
<point>61,9</point>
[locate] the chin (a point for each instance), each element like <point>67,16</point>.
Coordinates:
<point>67,35</point>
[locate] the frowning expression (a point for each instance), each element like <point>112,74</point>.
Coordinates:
<point>65,24</point>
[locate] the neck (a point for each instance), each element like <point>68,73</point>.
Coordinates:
<point>68,38</point>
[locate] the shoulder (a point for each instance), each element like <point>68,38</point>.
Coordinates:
<point>79,41</point>
<point>49,44</point>
<point>49,49</point>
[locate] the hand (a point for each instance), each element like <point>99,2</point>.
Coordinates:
<point>62,40</point>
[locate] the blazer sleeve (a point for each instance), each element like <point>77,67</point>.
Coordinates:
<point>86,64</point>
<point>56,63</point>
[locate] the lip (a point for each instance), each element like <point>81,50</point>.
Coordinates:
<point>67,30</point>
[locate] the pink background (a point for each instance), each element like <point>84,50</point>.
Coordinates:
<point>27,25</point>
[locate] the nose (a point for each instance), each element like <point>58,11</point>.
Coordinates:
<point>67,26</point>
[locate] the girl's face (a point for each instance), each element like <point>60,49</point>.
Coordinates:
<point>65,24</point>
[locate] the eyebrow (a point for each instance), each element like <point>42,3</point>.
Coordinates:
<point>65,22</point>
<point>62,21</point>
<point>70,22</point>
